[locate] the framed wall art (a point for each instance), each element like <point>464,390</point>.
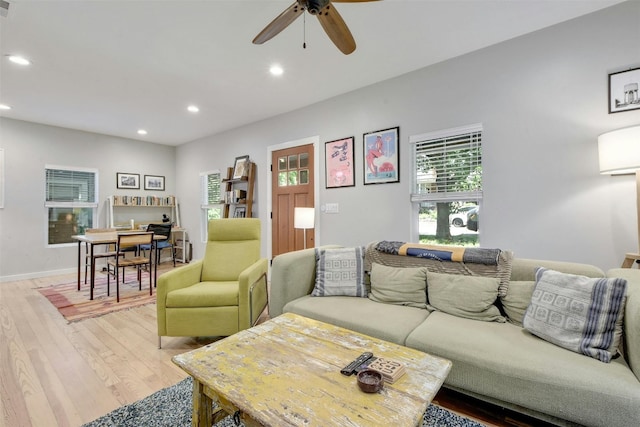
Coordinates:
<point>154,182</point>
<point>623,91</point>
<point>129,181</point>
<point>241,167</point>
<point>381,152</point>
<point>339,163</point>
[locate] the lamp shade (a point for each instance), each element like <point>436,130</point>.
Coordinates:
<point>619,151</point>
<point>304,217</point>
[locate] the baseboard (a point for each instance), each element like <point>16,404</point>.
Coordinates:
<point>37,275</point>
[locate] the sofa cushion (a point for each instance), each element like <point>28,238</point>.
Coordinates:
<point>517,300</point>
<point>402,286</point>
<point>507,363</point>
<point>388,322</point>
<point>578,313</point>
<point>339,271</point>
<point>471,297</point>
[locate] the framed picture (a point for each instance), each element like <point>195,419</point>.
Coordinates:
<point>128,180</point>
<point>241,167</point>
<point>240,212</point>
<point>154,182</point>
<point>339,163</point>
<point>381,152</point>
<point>623,91</point>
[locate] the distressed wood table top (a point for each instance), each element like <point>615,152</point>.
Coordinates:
<point>286,372</point>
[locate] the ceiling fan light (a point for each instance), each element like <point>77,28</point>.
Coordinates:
<point>4,107</point>
<point>142,132</point>
<point>193,108</point>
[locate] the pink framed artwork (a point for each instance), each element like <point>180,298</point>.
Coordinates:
<point>339,163</point>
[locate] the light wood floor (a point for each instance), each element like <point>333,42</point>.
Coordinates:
<point>53,373</point>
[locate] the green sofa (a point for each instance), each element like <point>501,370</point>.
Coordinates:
<point>501,363</point>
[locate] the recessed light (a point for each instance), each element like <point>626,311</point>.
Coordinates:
<point>193,109</point>
<point>4,107</point>
<point>142,132</point>
<point>20,60</point>
<point>276,70</point>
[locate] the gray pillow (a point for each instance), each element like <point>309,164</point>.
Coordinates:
<point>471,297</point>
<point>578,313</point>
<point>340,271</point>
<point>517,300</point>
<point>399,285</point>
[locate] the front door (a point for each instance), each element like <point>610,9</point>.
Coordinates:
<point>292,186</point>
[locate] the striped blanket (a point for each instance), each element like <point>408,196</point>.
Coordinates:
<point>441,253</point>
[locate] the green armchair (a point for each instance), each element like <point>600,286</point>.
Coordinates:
<point>220,294</point>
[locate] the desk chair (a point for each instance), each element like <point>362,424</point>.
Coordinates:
<point>128,240</point>
<point>221,294</point>
<point>161,230</point>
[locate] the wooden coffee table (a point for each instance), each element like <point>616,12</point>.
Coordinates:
<point>286,371</point>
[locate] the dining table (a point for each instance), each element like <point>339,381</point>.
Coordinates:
<point>106,238</point>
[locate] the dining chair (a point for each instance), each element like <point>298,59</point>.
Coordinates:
<point>109,253</point>
<point>160,244</point>
<point>128,240</point>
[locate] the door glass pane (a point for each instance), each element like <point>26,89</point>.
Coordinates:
<point>282,179</point>
<point>304,160</point>
<point>293,161</point>
<point>304,176</point>
<point>282,163</point>
<point>293,177</point>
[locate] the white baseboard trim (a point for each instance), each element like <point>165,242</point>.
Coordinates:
<point>36,275</point>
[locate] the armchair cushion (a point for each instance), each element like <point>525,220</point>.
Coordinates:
<point>205,294</point>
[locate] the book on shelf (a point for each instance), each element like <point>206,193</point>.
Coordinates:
<point>144,201</point>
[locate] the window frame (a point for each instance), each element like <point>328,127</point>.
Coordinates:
<point>93,205</point>
<point>205,206</point>
<point>417,197</point>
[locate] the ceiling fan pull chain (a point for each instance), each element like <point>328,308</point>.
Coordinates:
<point>304,30</point>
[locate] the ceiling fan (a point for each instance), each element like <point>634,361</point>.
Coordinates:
<point>329,18</point>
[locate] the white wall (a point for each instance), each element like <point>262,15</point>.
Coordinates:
<point>542,99</point>
<point>28,148</point>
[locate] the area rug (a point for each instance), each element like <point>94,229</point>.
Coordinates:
<point>75,305</point>
<point>171,407</point>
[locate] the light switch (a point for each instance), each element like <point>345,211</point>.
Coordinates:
<point>332,208</point>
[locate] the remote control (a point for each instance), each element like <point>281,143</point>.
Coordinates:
<point>351,367</point>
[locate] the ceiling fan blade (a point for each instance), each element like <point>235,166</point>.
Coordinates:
<point>351,1</point>
<point>336,29</point>
<point>280,23</point>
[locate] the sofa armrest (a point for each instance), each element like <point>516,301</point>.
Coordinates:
<point>293,275</point>
<point>631,316</point>
<point>252,290</point>
<point>177,278</point>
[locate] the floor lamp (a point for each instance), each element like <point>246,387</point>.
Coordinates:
<point>304,218</point>
<point>619,153</point>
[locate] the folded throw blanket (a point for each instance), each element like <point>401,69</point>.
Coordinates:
<point>441,253</point>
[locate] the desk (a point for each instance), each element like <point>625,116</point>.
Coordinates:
<point>286,371</point>
<point>97,239</point>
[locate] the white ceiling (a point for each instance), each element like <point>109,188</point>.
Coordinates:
<point>116,66</point>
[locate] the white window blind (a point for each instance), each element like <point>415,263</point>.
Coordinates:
<point>70,187</point>
<point>211,193</point>
<point>448,165</point>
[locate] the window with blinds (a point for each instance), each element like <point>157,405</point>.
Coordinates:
<point>447,185</point>
<point>71,200</point>
<point>448,165</point>
<point>211,208</point>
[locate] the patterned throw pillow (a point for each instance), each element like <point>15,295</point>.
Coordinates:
<point>578,313</point>
<point>340,272</point>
